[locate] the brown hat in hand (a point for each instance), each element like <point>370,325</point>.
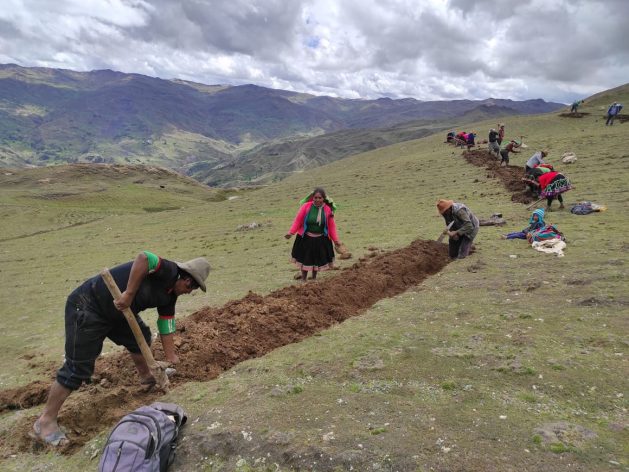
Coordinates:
<point>443,205</point>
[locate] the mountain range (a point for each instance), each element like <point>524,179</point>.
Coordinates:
<point>52,116</point>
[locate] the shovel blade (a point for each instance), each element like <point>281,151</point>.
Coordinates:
<point>445,231</point>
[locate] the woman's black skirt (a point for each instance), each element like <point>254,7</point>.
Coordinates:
<point>313,253</point>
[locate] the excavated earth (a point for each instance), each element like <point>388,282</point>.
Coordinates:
<point>213,340</point>
<point>620,117</point>
<point>510,176</point>
<point>573,115</point>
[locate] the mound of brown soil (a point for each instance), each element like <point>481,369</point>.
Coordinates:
<point>510,176</point>
<point>215,339</point>
<point>573,115</point>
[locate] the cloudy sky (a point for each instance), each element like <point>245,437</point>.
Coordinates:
<point>427,49</point>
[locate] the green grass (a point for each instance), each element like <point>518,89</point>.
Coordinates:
<point>522,341</point>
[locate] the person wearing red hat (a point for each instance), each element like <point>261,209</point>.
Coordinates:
<point>464,227</point>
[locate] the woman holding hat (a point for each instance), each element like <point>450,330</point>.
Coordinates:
<point>315,228</point>
<point>463,230</point>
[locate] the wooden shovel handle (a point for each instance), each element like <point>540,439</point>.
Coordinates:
<point>135,327</point>
<point>535,203</point>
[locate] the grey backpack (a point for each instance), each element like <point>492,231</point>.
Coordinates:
<point>144,440</point>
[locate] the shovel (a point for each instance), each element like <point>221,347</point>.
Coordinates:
<point>535,203</point>
<point>445,231</point>
<point>156,369</point>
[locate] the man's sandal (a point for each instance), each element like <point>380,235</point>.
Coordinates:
<point>56,438</point>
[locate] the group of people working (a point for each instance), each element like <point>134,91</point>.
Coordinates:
<point>612,111</point>
<point>149,281</point>
<point>462,138</point>
<point>544,181</point>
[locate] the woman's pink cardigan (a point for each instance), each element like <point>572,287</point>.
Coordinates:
<point>299,224</point>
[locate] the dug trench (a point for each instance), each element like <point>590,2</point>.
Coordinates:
<point>213,340</point>
<point>511,176</point>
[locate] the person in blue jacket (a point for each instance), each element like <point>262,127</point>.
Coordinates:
<point>612,112</point>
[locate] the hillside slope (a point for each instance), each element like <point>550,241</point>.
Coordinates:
<point>506,361</point>
<point>276,160</point>
<point>47,199</point>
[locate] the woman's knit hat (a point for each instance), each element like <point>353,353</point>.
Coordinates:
<point>540,216</point>
<point>443,205</point>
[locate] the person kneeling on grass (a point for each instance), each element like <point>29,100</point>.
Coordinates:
<point>464,227</point>
<point>91,315</point>
<point>536,222</point>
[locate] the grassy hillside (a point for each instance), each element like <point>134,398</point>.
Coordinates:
<point>274,161</point>
<point>474,369</point>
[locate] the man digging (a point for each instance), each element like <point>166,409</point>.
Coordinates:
<point>462,227</point>
<point>91,315</point>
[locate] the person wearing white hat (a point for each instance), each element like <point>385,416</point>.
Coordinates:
<point>494,147</point>
<point>92,315</point>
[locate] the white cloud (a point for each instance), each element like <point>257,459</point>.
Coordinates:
<point>427,49</point>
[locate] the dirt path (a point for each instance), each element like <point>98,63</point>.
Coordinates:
<point>44,231</point>
<point>214,339</point>
<point>510,176</point>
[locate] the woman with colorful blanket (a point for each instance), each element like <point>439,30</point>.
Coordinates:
<point>551,185</point>
<point>536,222</point>
<point>316,231</point>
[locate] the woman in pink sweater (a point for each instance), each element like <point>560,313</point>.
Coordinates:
<point>316,231</point>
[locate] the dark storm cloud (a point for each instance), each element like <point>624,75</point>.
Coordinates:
<point>502,9</point>
<point>8,30</point>
<point>396,35</point>
<point>259,28</point>
<point>565,41</point>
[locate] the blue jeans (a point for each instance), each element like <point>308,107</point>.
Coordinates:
<point>517,235</point>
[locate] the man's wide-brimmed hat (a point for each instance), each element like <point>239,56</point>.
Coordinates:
<point>198,269</point>
<point>443,205</point>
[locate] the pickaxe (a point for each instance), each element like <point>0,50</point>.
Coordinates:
<point>156,369</point>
